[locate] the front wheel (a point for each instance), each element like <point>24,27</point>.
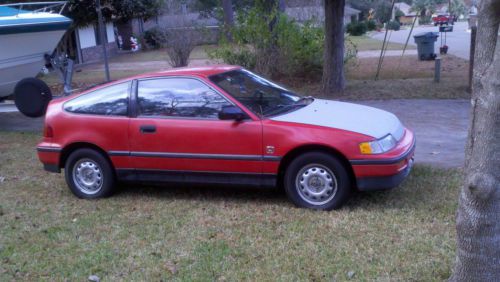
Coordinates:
<point>89,175</point>
<point>317,180</point>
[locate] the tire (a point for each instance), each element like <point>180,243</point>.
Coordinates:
<point>317,180</point>
<point>32,96</point>
<point>89,174</point>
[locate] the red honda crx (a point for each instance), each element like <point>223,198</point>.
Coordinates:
<point>222,125</point>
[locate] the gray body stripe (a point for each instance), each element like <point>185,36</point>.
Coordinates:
<point>195,156</point>
<point>48,149</point>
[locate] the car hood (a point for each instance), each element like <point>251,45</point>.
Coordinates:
<point>346,116</point>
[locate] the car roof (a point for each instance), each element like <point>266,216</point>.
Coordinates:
<point>203,71</point>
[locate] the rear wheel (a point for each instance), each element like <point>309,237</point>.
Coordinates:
<point>317,180</point>
<point>89,175</point>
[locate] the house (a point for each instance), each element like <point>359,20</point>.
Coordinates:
<point>83,44</point>
<point>405,14</point>
<point>89,45</point>
<point>316,13</point>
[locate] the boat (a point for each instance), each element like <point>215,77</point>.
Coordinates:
<point>27,37</point>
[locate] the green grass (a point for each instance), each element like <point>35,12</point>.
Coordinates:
<point>366,43</point>
<point>211,233</point>
<point>198,53</point>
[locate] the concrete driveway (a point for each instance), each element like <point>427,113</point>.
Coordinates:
<point>458,41</point>
<point>440,127</point>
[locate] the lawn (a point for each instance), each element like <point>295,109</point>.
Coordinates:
<point>366,43</point>
<point>213,233</point>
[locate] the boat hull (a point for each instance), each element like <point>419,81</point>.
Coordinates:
<point>22,55</point>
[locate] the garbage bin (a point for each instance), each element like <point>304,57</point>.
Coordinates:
<point>425,45</point>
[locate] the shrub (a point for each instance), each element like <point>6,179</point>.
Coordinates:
<point>425,20</point>
<point>234,55</point>
<point>393,25</point>
<point>180,42</point>
<point>286,49</point>
<point>154,38</point>
<point>357,28</point>
<point>371,25</point>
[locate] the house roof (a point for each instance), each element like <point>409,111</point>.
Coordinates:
<point>304,13</point>
<point>405,8</point>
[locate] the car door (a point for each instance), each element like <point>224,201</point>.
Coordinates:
<point>177,135</point>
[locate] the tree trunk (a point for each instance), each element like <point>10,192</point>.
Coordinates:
<point>125,31</point>
<point>478,215</point>
<point>333,65</point>
<point>281,6</point>
<point>227,6</point>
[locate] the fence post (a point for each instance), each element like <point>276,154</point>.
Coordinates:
<point>437,70</point>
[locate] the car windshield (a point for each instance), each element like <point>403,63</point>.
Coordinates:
<point>258,94</point>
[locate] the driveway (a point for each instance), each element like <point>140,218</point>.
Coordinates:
<point>458,40</point>
<point>440,127</point>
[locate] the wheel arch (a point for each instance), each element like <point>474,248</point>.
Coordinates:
<point>66,152</point>
<point>294,153</point>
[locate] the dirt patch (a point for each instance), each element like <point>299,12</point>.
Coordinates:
<point>406,67</point>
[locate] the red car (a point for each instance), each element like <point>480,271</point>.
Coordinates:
<point>444,19</point>
<point>223,125</point>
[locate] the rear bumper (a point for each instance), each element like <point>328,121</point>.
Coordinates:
<point>49,156</point>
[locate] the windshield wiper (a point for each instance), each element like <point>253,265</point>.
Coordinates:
<point>282,108</point>
<point>305,98</point>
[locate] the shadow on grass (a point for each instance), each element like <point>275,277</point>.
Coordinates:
<point>426,187</point>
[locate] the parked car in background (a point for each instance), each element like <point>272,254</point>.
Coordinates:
<point>223,125</point>
<point>443,19</point>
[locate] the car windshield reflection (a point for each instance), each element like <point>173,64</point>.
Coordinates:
<point>263,97</point>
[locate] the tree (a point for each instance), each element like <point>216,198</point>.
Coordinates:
<point>478,215</point>
<point>126,10</point>
<point>227,7</point>
<point>333,65</point>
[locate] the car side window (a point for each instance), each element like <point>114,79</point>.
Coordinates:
<point>108,101</point>
<point>178,97</point>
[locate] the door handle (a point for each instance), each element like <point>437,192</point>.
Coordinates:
<point>148,129</point>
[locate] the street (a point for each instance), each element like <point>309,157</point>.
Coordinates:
<point>458,41</point>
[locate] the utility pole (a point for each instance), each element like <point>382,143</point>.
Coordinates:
<point>103,39</point>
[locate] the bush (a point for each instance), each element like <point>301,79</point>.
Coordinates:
<point>288,49</point>
<point>154,38</point>
<point>180,42</point>
<point>234,55</point>
<point>357,28</point>
<point>393,25</point>
<point>425,20</point>
<point>371,25</point>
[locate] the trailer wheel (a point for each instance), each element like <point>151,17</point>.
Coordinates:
<point>32,96</point>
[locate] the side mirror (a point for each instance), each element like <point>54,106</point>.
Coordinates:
<point>232,113</point>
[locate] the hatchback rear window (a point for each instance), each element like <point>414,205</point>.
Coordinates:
<point>108,101</point>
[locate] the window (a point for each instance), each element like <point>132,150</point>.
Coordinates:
<point>179,97</point>
<point>108,101</point>
<point>258,94</point>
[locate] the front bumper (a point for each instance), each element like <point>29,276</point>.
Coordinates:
<point>384,182</point>
<point>385,173</point>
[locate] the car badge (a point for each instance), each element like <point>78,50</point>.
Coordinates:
<point>269,149</point>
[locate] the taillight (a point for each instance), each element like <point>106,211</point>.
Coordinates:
<point>47,131</point>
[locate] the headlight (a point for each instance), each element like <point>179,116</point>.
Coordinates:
<point>379,146</point>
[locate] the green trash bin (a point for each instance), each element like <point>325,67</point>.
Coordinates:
<point>425,45</point>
